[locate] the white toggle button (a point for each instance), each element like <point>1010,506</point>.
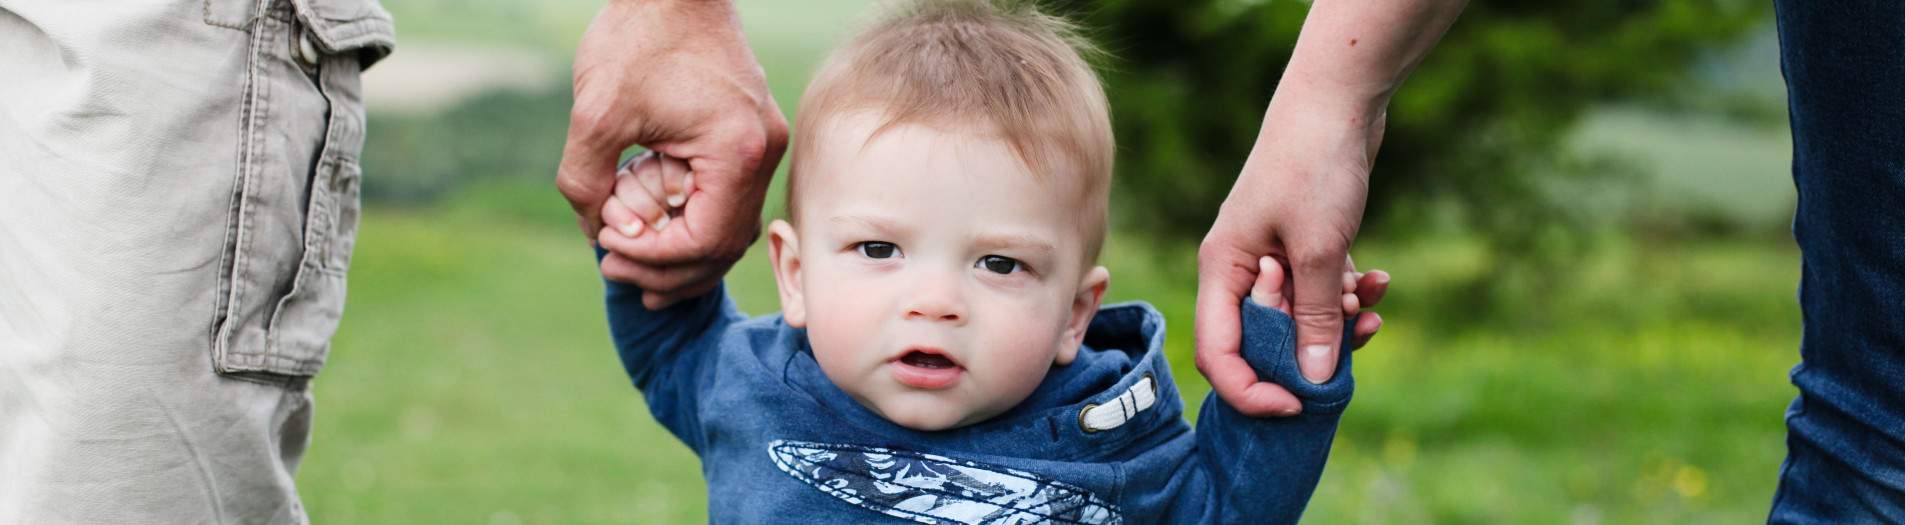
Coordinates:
<point>1115,413</point>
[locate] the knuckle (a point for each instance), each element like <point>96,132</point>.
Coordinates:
<point>574,188</point>
<point>1209,246</point>
<point>752,147</point>
<point>586,120</point>
<point>1318,314</point>
<point>774,124</point>
<point>777,131</point>
<point>1317,257</point>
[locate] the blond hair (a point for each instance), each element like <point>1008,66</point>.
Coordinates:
<point>969,63</point>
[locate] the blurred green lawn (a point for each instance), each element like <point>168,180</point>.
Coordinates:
<point>472,380</point>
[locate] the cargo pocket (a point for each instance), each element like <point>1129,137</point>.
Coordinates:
<point>296,195</point>
<point>299,337</point>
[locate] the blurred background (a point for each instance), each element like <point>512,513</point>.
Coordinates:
<point>1584,204</point>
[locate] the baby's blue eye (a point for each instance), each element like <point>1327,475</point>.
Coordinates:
<point>1000,265</point>
<point>878,250</point>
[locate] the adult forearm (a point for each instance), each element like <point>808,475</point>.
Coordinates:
<point>1352,54</point>
<point>1300,196</point>
<point>690,13</point>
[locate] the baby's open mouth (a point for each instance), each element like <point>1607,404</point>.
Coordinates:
<point>926,368</point>
<point>926,360</point>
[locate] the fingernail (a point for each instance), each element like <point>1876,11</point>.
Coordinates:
<point>677,199</point>
<point>631,229</point>
<point>1289,412</point>
<point>663,223</point>
<point>1317,365</point>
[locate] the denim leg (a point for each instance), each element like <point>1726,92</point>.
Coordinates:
<point>1845,72</point>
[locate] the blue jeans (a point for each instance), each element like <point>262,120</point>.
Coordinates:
<point>1845,71</point>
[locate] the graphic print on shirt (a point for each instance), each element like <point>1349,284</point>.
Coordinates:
<point>936,489</point>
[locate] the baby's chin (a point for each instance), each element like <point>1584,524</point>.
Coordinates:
<point>931,415</point>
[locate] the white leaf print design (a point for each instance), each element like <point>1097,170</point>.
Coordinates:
<point>936,489</point>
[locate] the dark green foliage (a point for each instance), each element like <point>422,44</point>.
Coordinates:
<point>413,159</point>
<point>1473,136</point>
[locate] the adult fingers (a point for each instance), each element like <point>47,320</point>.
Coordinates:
<point>657,300</point>
<point>721,220</point>
<point>1366,328</point>
<point>1319,309</point>
<point>1224,276</point>
<point>1371,287</point>
<point>661,285</point>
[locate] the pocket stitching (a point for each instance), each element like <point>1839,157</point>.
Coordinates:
<point>256,102</point>
<point>315,236</point>
<point>244,25</point>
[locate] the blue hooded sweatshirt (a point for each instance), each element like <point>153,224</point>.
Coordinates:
<point>1100,441</point>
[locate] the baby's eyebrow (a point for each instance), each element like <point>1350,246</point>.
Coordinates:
<point>1015,241</point>
<point>876,223</point>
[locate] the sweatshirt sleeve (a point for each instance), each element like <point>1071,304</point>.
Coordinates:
<point>1263,470</point>
<point>670,353</point>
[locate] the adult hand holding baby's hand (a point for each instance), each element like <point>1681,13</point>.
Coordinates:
<point>650,193</point>
<point>678,78</point>
<point>1299,200</point>
<point>1359,290</point>
<point>1301,194</point>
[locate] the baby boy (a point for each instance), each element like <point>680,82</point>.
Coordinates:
<point>941,355</point>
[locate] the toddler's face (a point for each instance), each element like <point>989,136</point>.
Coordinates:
<point>937,278</point>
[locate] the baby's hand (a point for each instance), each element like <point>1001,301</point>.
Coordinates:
<point>639,203</point>
<point>1359,290</point>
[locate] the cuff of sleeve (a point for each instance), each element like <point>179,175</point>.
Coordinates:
<point>1269,345</point>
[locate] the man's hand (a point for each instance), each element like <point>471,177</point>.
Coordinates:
<point>1301,194</point>
<point>676,77</point>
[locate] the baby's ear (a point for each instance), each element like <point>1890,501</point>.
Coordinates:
<point>1091,295</point>
<point>783,251</point>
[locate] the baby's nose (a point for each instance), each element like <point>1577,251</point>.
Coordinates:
<point>934,299</point>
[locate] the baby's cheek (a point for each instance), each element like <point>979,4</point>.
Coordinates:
<point>1026,348</point>
<point>841,323</point>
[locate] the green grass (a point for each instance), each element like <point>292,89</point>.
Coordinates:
<point>472,382</point>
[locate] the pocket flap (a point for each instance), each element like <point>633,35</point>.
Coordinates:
<point>342,26</point>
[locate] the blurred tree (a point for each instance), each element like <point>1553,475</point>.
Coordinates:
<point>416,158</point>
<point>1473,137</point>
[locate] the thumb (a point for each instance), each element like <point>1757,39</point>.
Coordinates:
<point>586,177</point>
<point>1319,315</point>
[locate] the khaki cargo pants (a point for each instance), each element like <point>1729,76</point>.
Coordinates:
<point>178,199</point>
